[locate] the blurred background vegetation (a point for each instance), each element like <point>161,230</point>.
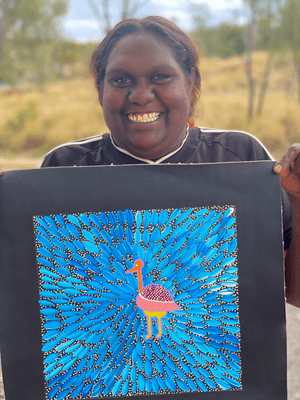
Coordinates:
<point>250,75</point>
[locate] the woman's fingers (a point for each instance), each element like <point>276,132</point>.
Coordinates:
<point>289,169</point>
<point>288,159</point>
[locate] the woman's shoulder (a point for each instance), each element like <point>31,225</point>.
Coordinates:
<point>244,145</point>
<point>70,154</point>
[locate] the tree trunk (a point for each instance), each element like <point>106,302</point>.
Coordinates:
<point>3,27</point>
<point>105,6</point>
<point>265,82</point>
<point>96,12</point>
<point>125,10</point>
<point>249,39</point>
<point>251,86</point>
<point>297,68</point>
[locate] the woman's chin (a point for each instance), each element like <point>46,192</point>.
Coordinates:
<point>147,150</point>
<point>149,140</point>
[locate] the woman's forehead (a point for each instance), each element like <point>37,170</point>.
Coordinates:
<point>141,50</point>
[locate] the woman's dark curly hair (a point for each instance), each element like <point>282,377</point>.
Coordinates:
<point>182,46</point>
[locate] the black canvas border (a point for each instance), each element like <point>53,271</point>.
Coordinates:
<point>252,187</point>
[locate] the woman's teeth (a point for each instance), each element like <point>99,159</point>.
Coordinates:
<point>144,117</point>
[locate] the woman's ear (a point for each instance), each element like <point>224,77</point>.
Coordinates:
<point>100,96</point>
<point>191,79</point>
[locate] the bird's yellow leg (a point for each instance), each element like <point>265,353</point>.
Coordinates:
<point>149,314</point>
<point>159,315</point>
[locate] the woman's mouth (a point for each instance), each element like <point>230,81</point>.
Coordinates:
<point>149,117</point>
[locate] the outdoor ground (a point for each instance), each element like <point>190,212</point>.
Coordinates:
<point>293,347</point>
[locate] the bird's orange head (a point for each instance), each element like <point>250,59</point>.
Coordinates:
<point>137,266</point>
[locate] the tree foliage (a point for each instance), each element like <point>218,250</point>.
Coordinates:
<point>28,30</point>
<point>225,40</point>
<point>271,25</point>
<point>291,33</point>
<point>32,49</point>
<point>31,20</point>
<point>264,31</point>
<point>290,24</point>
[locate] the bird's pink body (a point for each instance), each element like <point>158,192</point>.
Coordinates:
<point>155,300</point>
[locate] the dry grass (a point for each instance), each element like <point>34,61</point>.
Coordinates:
<point>277,127</point>
<point>34,121</point>
<point>19,162</point>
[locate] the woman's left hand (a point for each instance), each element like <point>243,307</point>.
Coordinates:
<point>289,169</point>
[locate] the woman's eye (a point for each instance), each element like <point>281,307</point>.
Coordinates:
<point>160,77</point>
<point>122,81</point>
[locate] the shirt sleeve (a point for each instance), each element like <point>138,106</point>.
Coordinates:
<point>64,156</point>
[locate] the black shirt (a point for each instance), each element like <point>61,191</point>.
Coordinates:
<point>202,145</point>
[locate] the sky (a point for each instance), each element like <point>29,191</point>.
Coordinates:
<point>80,24</point>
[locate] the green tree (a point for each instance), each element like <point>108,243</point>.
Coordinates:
<point>224,40</point>
<point>28,28</point>
<point>203,33</point>
<point>269,38</point>
<point>291,33</point>
<point>253,7</point>
<point>230,39</point>
<point>263,29</point>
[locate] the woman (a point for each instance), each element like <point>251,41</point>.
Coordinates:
<point>148,84</point>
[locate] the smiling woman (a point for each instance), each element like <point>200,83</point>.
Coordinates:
<point>146,97</point>
<point>148,83</point>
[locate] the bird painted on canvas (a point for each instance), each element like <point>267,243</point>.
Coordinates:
<point>154,300</point>
<point>93,323</point>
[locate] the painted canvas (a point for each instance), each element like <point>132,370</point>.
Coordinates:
<point>160,282</point>
<point>139,302</point>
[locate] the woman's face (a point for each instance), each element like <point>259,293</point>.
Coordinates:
<point>146,96</point>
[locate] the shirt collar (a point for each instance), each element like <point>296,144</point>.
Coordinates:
<point>160,160</point>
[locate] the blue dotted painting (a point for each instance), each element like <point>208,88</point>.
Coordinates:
<point>139,302</point>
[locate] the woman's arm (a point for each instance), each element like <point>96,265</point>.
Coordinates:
<point>289,169</point>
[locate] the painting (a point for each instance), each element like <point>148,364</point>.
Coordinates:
<point>154,281</point>
<point>139,302</point>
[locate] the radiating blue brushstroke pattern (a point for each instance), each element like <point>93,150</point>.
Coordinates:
<point>92,330</point>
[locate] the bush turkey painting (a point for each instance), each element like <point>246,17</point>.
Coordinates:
<point>143,281</point>
<point>138,302</point>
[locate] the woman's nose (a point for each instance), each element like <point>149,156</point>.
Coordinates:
<point>141,93</point>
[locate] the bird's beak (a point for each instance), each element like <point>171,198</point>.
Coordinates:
<point>131,270</point>
<point>138,264</point>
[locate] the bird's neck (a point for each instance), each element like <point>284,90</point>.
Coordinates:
<point>140,280</point>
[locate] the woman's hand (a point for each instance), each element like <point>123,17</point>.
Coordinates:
<point>289,169</point>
